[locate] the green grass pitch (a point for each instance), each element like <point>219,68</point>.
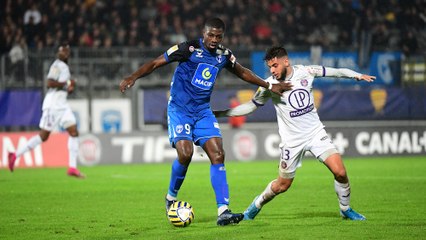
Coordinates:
<point>127,202</point>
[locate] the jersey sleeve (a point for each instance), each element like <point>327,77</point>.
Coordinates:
<point>65,74</point>
<point>261,96</point>
<point>341,72</point>
<point>179,52</point>
<point>59,72</point>
<point>231,58</point>
<point>54,72</point>
<point>316,70</point>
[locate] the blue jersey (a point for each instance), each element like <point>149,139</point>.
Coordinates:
<point>195,76</point>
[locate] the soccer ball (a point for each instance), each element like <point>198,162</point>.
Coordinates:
<point>180,214</point>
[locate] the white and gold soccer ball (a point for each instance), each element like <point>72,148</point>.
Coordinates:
<point>180,214</point>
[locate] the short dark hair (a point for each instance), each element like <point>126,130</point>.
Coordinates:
<point>275,52</point>
<point>64,44</point>
<point>215,23</point>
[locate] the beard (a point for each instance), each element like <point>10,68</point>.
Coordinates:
<point>283,75</point>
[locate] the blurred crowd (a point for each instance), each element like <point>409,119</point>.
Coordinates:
<point>384,24</point>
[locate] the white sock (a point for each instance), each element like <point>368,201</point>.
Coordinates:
<point>170,197</point>
<point>343,191</point>
<point>73,151</point>
<point>222,209</point>
<point>31,144</point>
<point>266,196</point>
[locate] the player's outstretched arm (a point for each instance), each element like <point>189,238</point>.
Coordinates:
<point>221,113</point>
<point>143,71</point>
<point>366,78</point>
<point>248,76</point>
<point>240,110</point>
<point>348,73</point>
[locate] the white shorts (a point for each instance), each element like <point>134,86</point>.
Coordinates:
<point>51,118</point>
<point>320,146</point>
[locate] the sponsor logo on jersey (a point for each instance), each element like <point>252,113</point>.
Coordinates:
<point>315,70</point>
<point>172,49</point>
<point>199,53</point>
<point>304,82</point>
<point>205,76</point>
<point>324,138</point>
<point>233,59</point>
<point>179,128</point>
<point>300,100</point>
<point>206,73</point>
<point>219,58</point>
<point>302,111</point>
<point>283,164</point>
<point>216,125</point>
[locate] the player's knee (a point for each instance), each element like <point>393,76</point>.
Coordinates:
<point>185,154</point>
<point>281,187</point>
<point>185,157</point>
<point>341,175</point>
<point>218,157</point>
<point>73,133</point>
<point>44,136</point>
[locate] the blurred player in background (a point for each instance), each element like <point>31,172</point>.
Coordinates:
<point>190,118</point>
<point>56,112</point>
<point>237,121</point>
<point>299,127</point>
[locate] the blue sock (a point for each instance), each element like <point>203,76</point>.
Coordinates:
<point>219,183</point>
<point>177,177</point>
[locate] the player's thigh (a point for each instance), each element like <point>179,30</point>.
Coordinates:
<point>322,146</point>
<point>290,160</point>
<point>205,128</point>
<point>335,164</point>
<point>185,150</point>
<point>180,127</point>
<point>67,119</point>
<point>50,119</point>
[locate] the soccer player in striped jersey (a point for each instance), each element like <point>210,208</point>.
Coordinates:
<point>299,127</point>
<point>190,118</point>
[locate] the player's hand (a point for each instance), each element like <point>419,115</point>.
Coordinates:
<point>281,87</point>
<point>127,83</point>
<point>366,78</point>
<point>71,86</point>
<point>220,113</point>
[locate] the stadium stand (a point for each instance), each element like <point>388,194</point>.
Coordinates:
<point>110,39</point>
<point>155,23</point>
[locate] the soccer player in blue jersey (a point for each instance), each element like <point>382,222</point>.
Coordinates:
<point>190,118</point>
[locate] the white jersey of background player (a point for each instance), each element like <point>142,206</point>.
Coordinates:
<point>299,127</point>
<point>56,112</point>
<point>57,98</point>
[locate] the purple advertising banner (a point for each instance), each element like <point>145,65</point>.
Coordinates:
<point>20,108</point>
<point>390,103</point>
